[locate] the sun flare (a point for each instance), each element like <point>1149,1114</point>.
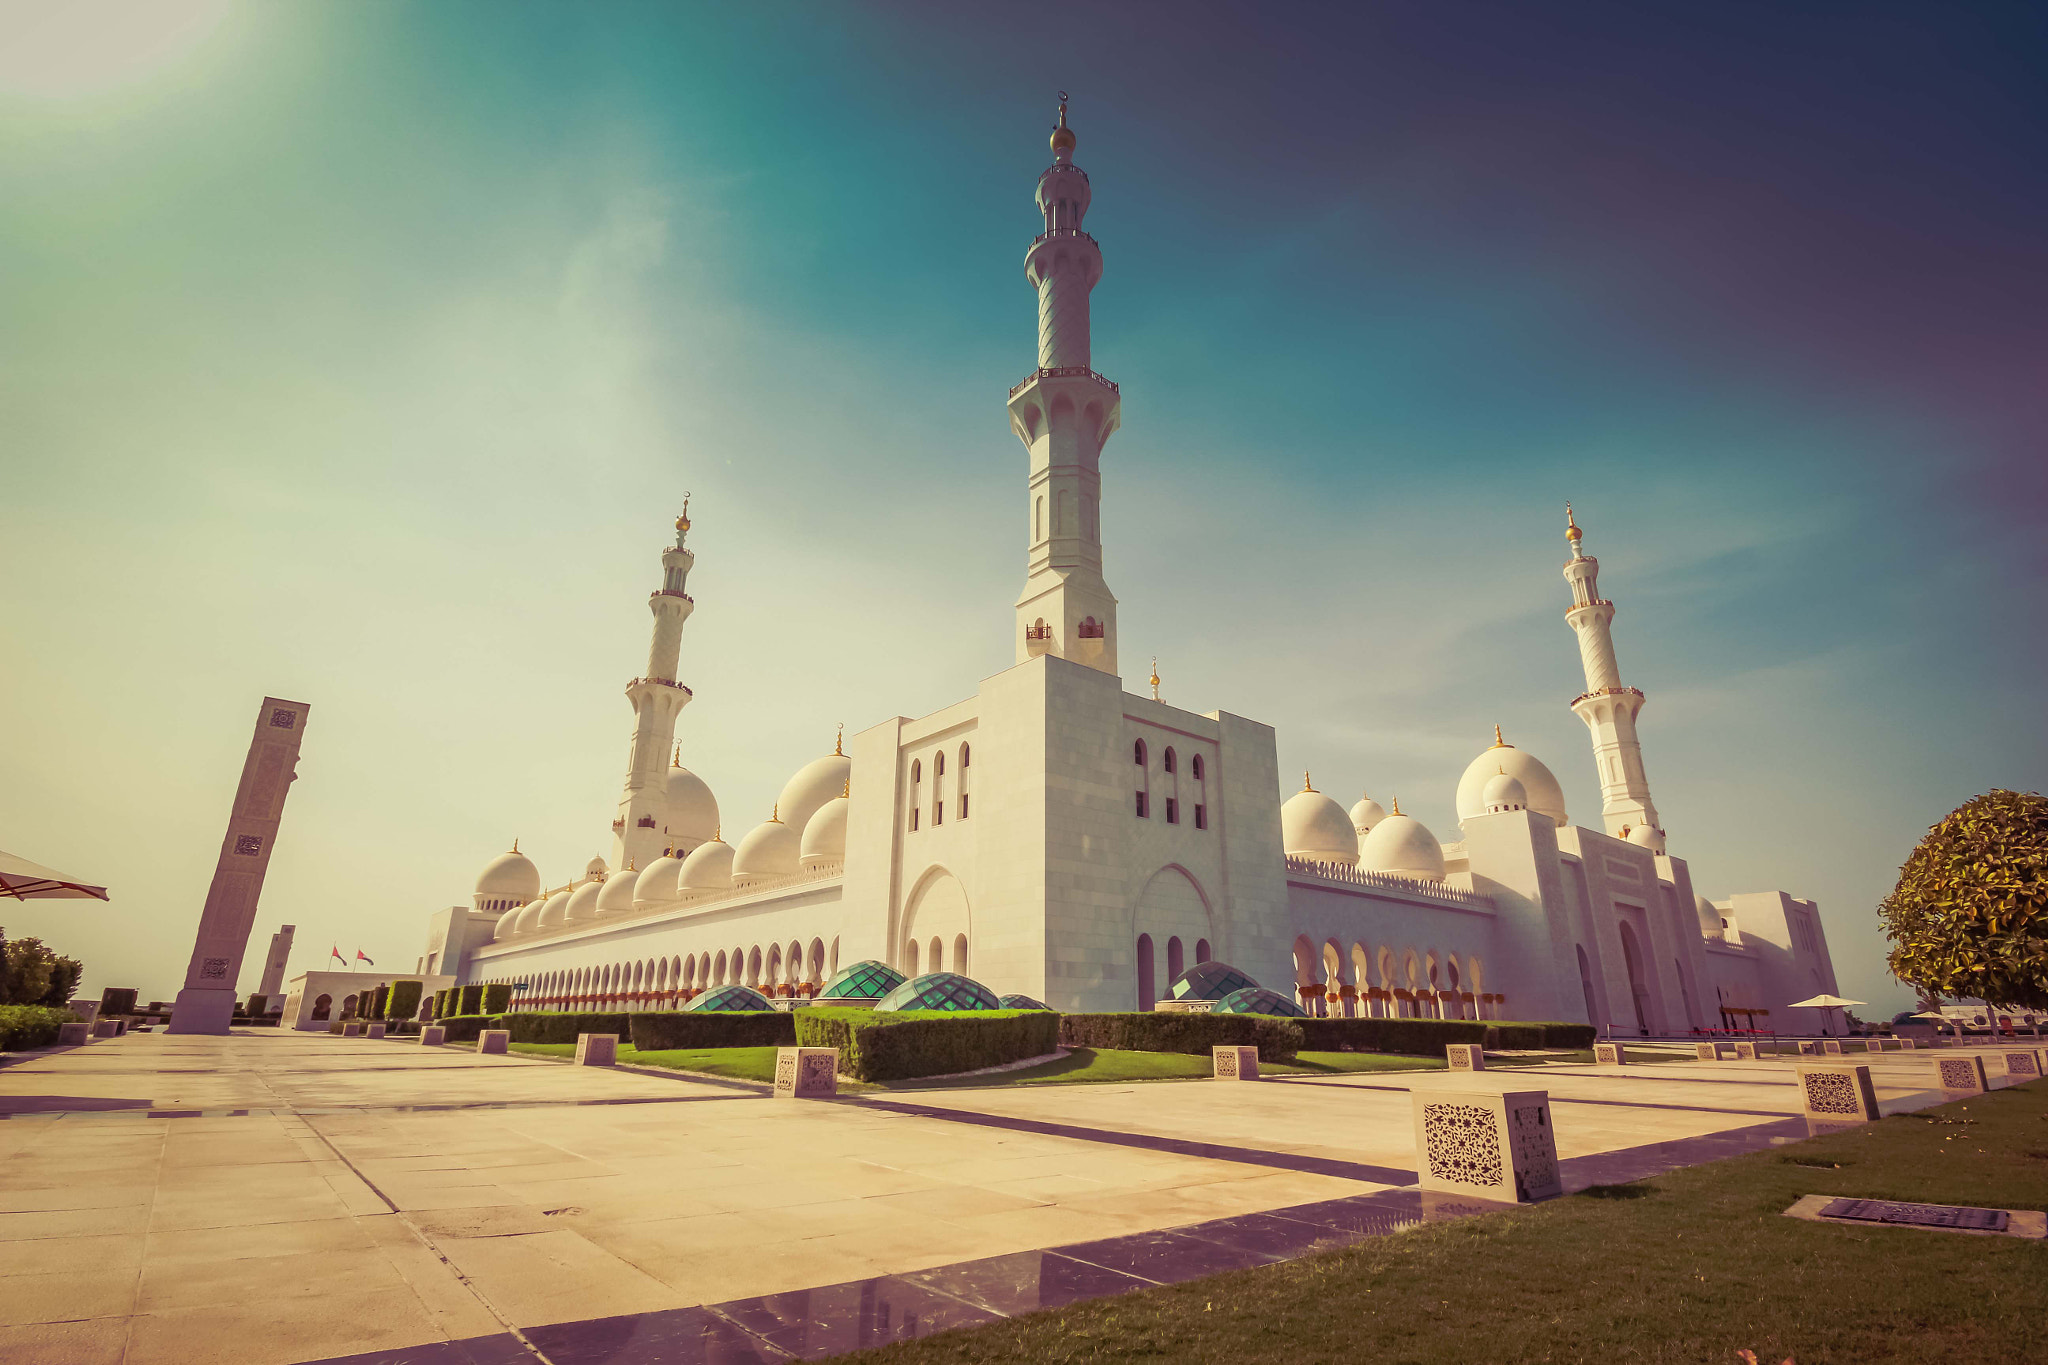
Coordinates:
<point>57,49</point>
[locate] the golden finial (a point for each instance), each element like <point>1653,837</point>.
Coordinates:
<point>1572,531</point>
<point>1397,805</point>
<point>839,742</point>
<point>677,761</point>
<point>1498,742</point>
<point>846,787</point>
<point>775,817</point>
<point>629,865</point>
<point>515,844</point>
<point>1155,677</point>
<point>718,834</point>
<point>683,521</point>
<point>1063,136</point>
<point>1306,785</point>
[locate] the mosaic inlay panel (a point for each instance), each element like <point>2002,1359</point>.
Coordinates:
<point>1462,1145</point>
<point>1832,1093</point>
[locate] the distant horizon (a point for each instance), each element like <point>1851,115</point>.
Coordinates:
<point>365,355</point>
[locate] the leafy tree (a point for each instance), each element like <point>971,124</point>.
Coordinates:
<point>25,974</point>
<point>1969,916</point>
<point>64,974</point>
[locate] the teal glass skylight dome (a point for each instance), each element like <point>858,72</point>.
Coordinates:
<point>1209,981</point>
<point>862,981</point>
<point>730,998</point>
<point>1022,1002</point>
<point>1259,1000</point>
<point>940,991</point>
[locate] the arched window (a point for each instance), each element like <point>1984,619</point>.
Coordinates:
<point>1147,996</point>
<point>1138,753</point>
<point>916,791</point>
<point>939,787</point>
<point>960,954</point>
<point>718,969</point>
<point>1038,519</point>
<point>322,1004</point>
<point>910,958</point>
<point>1171,769</point>
<point>1144,792</point>
<point>938,957</point>
<point>1166,763</point>
<point>832,968</point>
<point>1201,950</point>
<point>1200,773</point>
<point>1173,959</point>
<point>961,780</point>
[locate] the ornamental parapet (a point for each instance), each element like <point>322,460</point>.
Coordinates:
<point>1607,692</point>
<point>1391,882</point>
<point>1066,232</point>
<point>1586,606</point>
<point>671,592</point>
<point>1061,372</point>
<point>660,682</point>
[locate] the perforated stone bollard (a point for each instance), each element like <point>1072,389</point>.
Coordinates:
<point>1831,1046</point>
<point>1838,1092</point>
<point>2019,1066</point>
<point>106,1028</point>
<point>492,1042</point>
<point>1745,1052</point>
<point>1465,1056</point>
<point>1497,1147</point>
<point>1905,1044</point>
<point>376,1030</point>
<point>1610,1054</point>
<point>1235,1063</point>
<point>433,1035</point>
<point>75,1034</point>
<point>803,1073</point>
<point>1808,1048</point>
<point>1706,1052</point>
<point>351,1030</point>
<point>597,1049</point>
<point>1960,1075</point>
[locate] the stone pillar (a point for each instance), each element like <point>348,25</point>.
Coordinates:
<point>597,1049</point>
<point>1497,1147</point>
<point>433,1035</point>
<point>1960,1075</point>
<point>1831,1046</point>
<point>77,1034</point>
<point>207,1002</point>
<point>1610,1054</point>
<point>352,1029</point>
<point>274,962</point>
<point>803,1073</point>
<point>1745,1052</point>
<point>376,1029</point>
<point>106,1028</point>
<point>1838,1092</point>
<point>1808,1048</point>
<point>1465,1056</point>
<point>1706,1052</point>
<point>2019,1066</point>
<point>1235,1063</point>
<point>494,1042</point>
<point>1905,1044</point>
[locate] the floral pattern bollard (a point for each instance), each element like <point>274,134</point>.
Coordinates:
<point>1838,1093</point>
<point>433,1035</point>
<point>1960,1075</point>
<point>1610,1054</point>
<point>1234,1063</point>
<point>597,1049</point>
<point>1497,1147</point>
<point>1465,1056</point>
<point>806,1073</point>
<point>2019,1066</point>
<point>494,1042</point>
<point>78,1033</point>
<point>352,1030</point>
<point>1808,1048</point>
<point>1831,1046</point>
<point>1745,1052</point>
<point>376,1029</point>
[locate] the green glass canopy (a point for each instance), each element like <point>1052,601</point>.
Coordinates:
<point>730,998</point>
<point>940,991</point>
<point>1259,1000</point>
<point>862,981</point>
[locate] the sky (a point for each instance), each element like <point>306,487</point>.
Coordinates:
<point>362,354</point>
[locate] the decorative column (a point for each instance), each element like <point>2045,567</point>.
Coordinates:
<point>1606,706</point>
<point>657,699</point>
<point>207,1002</point>
<point>1064,412</point>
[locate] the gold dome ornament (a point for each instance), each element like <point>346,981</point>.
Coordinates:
<point>683,521</point>
<point>1155,677</point>
<point>1063,136</point>
<point>1572,531</point>
<point>1498,742</point>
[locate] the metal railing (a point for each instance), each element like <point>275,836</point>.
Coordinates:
<point>1061,372</point>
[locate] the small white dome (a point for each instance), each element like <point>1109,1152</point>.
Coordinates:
<point>1709,917</point>
<point>1537,781</point>
<point>583,902</point>
<point>617,896</point>
<point>656,884</point>
<point>1313,826</point>
<point>509,922</point>
<point>1403,846</point>
<point>554,912</point>
<point>595,868</point>
<point>1646,837</point>
<point>510,874</point>
<point>1504,793</point>
<point>1366,814</point>
<point>708,868</point>
<point>526,919</point>
<point>816,782</point>
<point>692,809</point>
<point>770,849</point>
<point>825,836</point>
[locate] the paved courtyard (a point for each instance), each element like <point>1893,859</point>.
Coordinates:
<point>271,1198</point>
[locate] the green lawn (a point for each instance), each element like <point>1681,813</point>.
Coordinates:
<point>1692,1266</point>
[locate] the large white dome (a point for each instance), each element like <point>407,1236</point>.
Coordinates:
<point>692,809</point>
<point>708,868</point>
<point>1503,758</point>
<point>1403,846</point>
<point>1366,814</point>
<point>617,896</point>
<point>825,836</point>
<point>656,884</point>
<point>1313,826</point>
<point>555,912</point>
<point>511,875</point>
<point>583,902</point>
<point>1709,917</point>
<point>769,850</point>
<point>816,782</point>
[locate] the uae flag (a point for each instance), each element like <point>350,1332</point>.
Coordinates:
<point>361,958</point>
<point>335,953</point>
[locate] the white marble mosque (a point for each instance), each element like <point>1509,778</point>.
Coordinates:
<point>1056,835</point>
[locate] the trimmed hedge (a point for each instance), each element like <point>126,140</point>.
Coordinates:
<point>1549,1033</point>
<point>497,998</point>
<point>27,1026</point>
<point>470,1000</point>
<point>661,1030</point>
<point>904,1044</point>
<point>441,1002</point>
<point>1407,1037</point>
<point>404,1002</point>
<point>1277,1039</point>
<point>463,1028</point>
<point>117,1000</point>
<point>562,1028</point>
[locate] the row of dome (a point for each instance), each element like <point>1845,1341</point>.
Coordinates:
<point>1374,839</point>
<point>806,830</point>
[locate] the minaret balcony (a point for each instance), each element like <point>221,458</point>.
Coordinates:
<point>1061,372</point>
<point>669,683</point>
<point>1066,232</point>
<point>673,592</point>
<point>1635,692</point>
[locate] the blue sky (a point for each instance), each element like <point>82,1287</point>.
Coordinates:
<point>361,354</point>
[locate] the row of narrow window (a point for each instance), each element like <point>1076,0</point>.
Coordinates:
<point>1170,765</point>
<point>938,803</point>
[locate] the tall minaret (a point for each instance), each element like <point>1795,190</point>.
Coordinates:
<point>1063,412</point>
<point>657,699</point>
<point>1608,708</point>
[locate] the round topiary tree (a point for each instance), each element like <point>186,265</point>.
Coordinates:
<point>1969,916</point>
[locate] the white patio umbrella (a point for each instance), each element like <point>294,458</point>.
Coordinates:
<point>25,880</point>
<point>1824,1002</point>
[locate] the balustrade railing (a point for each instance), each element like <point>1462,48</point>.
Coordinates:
<point>1061,372</point>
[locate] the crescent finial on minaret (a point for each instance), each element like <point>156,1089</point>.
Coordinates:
<point>1063,136</point>
<point>1572,531</point>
